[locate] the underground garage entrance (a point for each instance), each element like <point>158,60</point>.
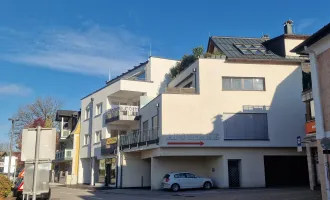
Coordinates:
<point>286,171</point>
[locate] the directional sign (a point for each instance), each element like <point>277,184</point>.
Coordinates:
<point>200,143</point>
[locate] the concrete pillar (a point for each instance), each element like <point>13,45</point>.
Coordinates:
<point>119,169</point>
<point>310,162</point>
<point>156,176</point>
<point>92,171</point>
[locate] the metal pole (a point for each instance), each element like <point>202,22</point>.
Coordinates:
<point>36,159</point>
<point>10,147</point>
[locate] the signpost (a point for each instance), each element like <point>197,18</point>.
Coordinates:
<point>38,151</point>
<point>299,145</point>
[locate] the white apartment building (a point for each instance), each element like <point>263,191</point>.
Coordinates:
<point>234,118</point>
<point>113,111</point>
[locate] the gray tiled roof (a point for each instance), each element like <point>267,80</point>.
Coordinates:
<point>226,45</point>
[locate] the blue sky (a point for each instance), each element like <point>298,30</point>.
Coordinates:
<point>65,48</point>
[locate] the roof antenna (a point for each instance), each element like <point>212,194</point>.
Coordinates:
<point>109,74</point>
<point>150,50</point>
<point>209,34</point>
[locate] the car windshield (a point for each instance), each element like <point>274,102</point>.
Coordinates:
<point>167,176</point>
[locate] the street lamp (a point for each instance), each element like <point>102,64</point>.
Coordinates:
<point>11,143</point>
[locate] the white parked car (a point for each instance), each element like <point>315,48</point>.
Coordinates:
<point>185,180</point>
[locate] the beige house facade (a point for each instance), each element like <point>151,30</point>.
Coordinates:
<point>234,117</point>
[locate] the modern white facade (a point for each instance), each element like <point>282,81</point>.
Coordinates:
<point>234,119</point>
<point>111,111</point>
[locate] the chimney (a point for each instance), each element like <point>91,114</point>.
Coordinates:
<point>265,37</point>
<point>288,27</point>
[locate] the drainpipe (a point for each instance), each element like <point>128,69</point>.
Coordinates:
<point>91,161</point>
<point>157,105</point>
<point>318,109</point>
<point>195,76</point>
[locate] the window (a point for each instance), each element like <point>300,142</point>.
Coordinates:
<point>136,103</point>
<point>238,84</point>
<point>154,122</point>
<point>141,76</point>
<point>145,127</point>
<point>181,175</point>
<point>188,85</point>
<point>86,139</point>
<point>189,175</point>
<point>113,133</point>
<point>246,126</point>
<point>114,103</point>
<point>253,49</point>
<point>99,109</point>
<point>98,136</point>
<point>122,132</point>
<point>312,109</point>
<point>87,113</point>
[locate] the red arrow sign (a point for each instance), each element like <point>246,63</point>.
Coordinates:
<point>200,143</point>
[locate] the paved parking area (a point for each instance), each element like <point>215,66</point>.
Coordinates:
<point>216,194</point>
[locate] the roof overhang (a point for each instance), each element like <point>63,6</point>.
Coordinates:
<point>300,49</point>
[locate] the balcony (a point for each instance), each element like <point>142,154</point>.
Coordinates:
<point>109,146</point>
<point>64,155</point>
<point>65,133</point>
<point>174,90</point>
<point>310,127</point>
<point>121,114</point>
<point>139,138</point>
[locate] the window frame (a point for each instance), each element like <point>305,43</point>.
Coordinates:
<point>87,113</point>
<point>98,109</point>
<point>86,139</point>
<point>97,137</point>
<point>152,122</point>
<point>242,80</point>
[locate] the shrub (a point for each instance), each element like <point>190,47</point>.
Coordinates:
<point>198,51</point>
<point>5,186</point>
<point>208,55</point>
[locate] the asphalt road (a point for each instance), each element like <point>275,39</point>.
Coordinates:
<point>64,193</point>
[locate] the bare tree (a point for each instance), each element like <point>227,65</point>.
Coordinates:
<point>4,147</point>
<point>42,109</point>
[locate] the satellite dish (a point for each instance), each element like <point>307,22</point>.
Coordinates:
<point>325,143</point>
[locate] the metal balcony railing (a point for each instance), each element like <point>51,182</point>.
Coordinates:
<point>64,154</point>
<point>139,138</point>
<point>122,112</point>
<point>180,91</point>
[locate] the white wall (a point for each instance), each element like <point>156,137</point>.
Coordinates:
<point>133,169</point>
<point>204,113</point>
<point>160,73</point>
<point>290,44</point>
<point>84,175</point>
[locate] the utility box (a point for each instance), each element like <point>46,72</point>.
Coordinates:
<point>42,179</point>
<point>47,144</point>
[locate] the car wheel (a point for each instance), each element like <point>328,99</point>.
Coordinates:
<point>175,187</point>
<point>207,185</point>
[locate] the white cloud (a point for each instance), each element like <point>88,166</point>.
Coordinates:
<point>89,50</point>
<point>304,24</point>
<point>15,90</point>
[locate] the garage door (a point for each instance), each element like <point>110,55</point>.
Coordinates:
<point>286,170</point>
